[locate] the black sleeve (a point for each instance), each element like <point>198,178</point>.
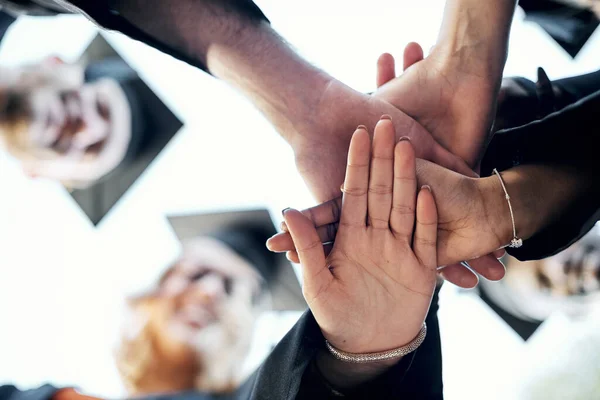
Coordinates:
<point>6,20</point>
<point>577,87</point>
<point>288,372</point>
<point>10,392</point>
<point>104,14</point>
<point>569,137</point>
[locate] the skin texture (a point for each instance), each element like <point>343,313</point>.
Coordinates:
<point>314,112</point>
<point>383,264</point>
<point>437,80</point>
<point>473,213</point>
<point>464,230</point>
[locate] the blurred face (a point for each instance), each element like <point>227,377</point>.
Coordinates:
<point>573,272</point>
<point>60,127</point>
<point>217,295</point>
<point>205,309</point>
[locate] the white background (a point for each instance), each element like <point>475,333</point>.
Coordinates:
<point>62,281</point>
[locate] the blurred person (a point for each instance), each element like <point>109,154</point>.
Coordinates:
<point>373,307</point>
<point>456,85</point>
<point>194,330</point>
<point>68,122</point>
<point>287,89</point>
<point>568,282</point>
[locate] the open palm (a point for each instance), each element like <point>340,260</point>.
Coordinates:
<point>372,292</point>
<point>465,229</point>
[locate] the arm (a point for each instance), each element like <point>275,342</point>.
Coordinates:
<point>522,101</point>
<point>418,375</point>
<point>474,36</point>
<point>567,140</point>
<point>372,292</point>
<point>314,112</point>
<point>475,215</point>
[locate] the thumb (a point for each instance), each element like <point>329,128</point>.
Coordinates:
<point>309,248</point>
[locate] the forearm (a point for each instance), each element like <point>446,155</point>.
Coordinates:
<point>189,27</point>
<point>567,139</point>
<point>539,195</point>
<point>283,86</point>
<point>475,34</point>
<point>238,46</point>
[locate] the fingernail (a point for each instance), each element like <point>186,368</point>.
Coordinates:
<point>404,138</point>
<point>361,127</point>
<point>268,244</point>
<point>285,210</point>
<point>426,187</point>
<point>283,226</point>
<point>386,116</point>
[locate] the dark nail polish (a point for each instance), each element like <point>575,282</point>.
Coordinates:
<point>285,210</point>
<point>386,116</point>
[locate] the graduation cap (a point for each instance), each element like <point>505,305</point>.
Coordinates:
<point>526,297</point>
<point>246,232</point>
<point>570,26</point>
<point>524,327</point>
<point>153,126</point>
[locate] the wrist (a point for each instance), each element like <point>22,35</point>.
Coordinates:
<point>468,39</point>
<point>498,212</point>
<point>343,375</point>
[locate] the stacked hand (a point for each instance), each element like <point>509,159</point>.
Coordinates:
<point>383,258</point>
<point>468,224</point>
<point>459,121</point>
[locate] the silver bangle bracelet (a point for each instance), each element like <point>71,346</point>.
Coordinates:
<point>516,241</point>
<point>360,358</point>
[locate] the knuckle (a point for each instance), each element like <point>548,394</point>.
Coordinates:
<point>424,242</point>
<point>351,225</point>
<point>381,189</point>
<point>405,179</point>
<point>427,223</point>
<point>358,166</point>
<point>403,236</point>
<point>403,209</point>
<point>310,246</point>
<point>384,157</point>
<point>355,191</point>
<point>378,221</point>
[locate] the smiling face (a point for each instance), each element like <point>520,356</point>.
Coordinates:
<point>195,329</point>
<point>61,128</point>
